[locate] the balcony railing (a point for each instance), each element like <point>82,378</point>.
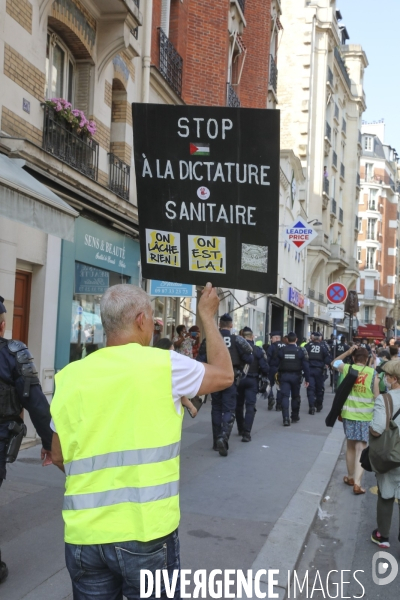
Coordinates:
<point>242,4</point>
<point>135,32</point>
<point>119,176</point>
<point>357,224</point>
<point>320,297</point>
<point>326,186</point>
<point>334,159</point>
<point>311,293</point>
<point>330,76</point>
<point>232,99</point>
<point>359,137</point>
<point>137,2</point>
<point>79,153</point>
<point>370,294</point>
<point>333,206</point>
<point>344,125</point>
<point>328,131</point>
<point>342,67</point>
<point>340,215</point>
<point>273,73</point>
<point>336,112</point>
<point>342,170</point>
<point>358,180</point>
<point>372,205</point>
<point>171,63</point>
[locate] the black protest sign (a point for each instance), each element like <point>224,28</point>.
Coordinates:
<point>208,194</point>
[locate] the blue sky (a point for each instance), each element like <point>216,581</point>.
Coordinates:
<point>375,25</point>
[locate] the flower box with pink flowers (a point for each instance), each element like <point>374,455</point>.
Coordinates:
<point>73,119</point>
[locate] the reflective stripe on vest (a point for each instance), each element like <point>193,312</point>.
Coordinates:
<point>120,436</point>
<point>126,458</point>
<point>129,494</point>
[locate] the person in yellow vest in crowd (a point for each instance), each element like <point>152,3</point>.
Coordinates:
<point>357,412</point>
<point>117,422</point>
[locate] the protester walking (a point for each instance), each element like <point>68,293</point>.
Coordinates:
<point>183,341</point>
<point>118,423</point>
<point>357,412</point>
<point>388,483</point>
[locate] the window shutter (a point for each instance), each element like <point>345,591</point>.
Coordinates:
<point>83,87</point>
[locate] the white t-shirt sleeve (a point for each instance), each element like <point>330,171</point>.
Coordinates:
<point>187,377</point>
<point>52,426</point>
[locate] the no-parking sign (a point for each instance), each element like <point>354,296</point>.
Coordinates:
<point>336,293</point>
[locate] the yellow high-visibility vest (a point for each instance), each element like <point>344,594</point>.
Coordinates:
<point>359,405</point>
<point>120,436</point>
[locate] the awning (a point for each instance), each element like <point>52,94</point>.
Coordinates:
<point>371,331</point>
<point>24,199</point>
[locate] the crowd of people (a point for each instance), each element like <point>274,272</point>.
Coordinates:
<point>120,451</point>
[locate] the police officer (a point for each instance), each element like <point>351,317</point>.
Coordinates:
<point>364,344</point>
<point>19,389</point>
<point>223,404</point>
<point>319,357</point>
<point>273,362</point>
<point>248,388</point>
<point>292,362</point>
<point>342,347</point>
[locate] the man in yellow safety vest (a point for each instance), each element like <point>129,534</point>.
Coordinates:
<point>117,422</point>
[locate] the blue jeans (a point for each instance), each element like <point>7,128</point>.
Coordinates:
<point>109,571</point>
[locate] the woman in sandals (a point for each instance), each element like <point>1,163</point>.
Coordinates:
<point>357,412</point>
<point>389,483</point>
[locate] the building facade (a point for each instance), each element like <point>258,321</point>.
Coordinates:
<point>320,92</point>
<point>378,237</point>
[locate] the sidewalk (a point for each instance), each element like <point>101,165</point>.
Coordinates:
<point>252,509</point>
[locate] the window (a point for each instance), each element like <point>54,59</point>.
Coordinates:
<point>59,69</point>
<point>359,254</point>
<point>369,171</point>
<point>368,143</point>
<point>367,314</point>
<point>370,262</point>
<point>371,229</point>
<point>373,201</point>
<point>360,221</point>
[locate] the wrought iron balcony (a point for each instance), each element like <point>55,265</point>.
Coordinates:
<point>330,76</point>
<point>342,170</point>
<point>358,181</point>
<point>342,67</point>
<point>359,137</point>
<point>328,131</point>
<point>344,125</point>
<point>232,98</point>
<point>334,159</point>
<point>137,2</point>
<point>326,186</point>
<point>80,153</point>
<point>311,293</point>
<point>135,32</point>
<point>357,224</point>
<point>242,4</point>
<point>273,73</point>
<point>171,64</point>
<point>333,206</point>
<point>340,215</point>
<point>321,297</point>
<point>119,176</point>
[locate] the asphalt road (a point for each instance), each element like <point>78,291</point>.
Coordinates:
<point>229,505</point>
<point>340,540</point>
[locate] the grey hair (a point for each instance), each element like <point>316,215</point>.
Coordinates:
<point>120,305</point>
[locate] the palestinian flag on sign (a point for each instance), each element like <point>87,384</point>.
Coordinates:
<point>200,149</point>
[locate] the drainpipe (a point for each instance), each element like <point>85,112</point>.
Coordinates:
<point>148,22</point>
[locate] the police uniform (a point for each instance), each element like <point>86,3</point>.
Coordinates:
<point>318,356</point>
<point>273,363</point>
<point>292,362</point>
<point>19,389</point>
<point>248,390</point>
<point>341,348</point>
<point>223,404</point>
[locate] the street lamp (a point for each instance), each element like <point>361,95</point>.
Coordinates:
<point>314,222</point>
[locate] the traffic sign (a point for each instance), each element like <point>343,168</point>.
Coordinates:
<point>300,234</point>
<point>336,311</point>
<point>336,293</point>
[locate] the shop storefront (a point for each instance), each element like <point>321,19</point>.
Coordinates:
<point>290,315</point>
<point>174,304</point>
<point>99,258</point>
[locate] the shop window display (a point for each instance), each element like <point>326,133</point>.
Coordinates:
<point>87,333</point>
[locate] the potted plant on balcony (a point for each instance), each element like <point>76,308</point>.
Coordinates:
<point>73,119</point>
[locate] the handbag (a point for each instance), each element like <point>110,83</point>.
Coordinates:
<point>383,453</point>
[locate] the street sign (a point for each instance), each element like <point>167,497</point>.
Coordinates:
<point>175,290</point>
<point>336,311</point>
<point>336,293</point>
<point>300,234</point>
<point>208,194</point>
